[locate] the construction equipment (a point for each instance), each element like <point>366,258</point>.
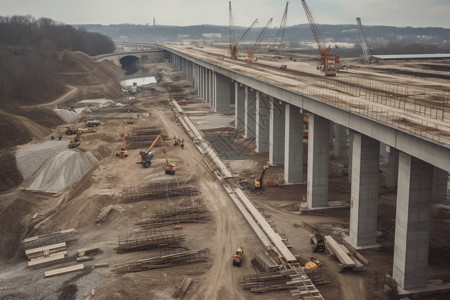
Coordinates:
<point>76,141</point>
<point>259,181</point>
<point>252,50</point>
<point>313,263</point>
<point>123,151</point>
<point>238,257</point>
<point>147,157</point>
<point>324,51</point>
<point>282,29</point>
<point>367,54</point>
<point>317,241</point>
<point>72,129</point>
<point>233,43</point>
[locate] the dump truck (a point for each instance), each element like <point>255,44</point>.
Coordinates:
<point>238,257</point>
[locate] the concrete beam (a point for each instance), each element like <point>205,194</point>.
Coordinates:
<point>318,161</point>
<point>364,191</point>
<point>276,134</point>
<point>222,93</point>
<point>262,123</point>
<point>413,220</point>
<point>293,146</point>
<point>250,113</point>
<point>239,106</point>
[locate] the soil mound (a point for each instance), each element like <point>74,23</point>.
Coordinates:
<point>62,170</point>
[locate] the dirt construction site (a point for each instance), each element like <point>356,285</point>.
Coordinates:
<point>89,222</point>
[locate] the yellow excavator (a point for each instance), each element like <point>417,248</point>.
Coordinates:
<point>147,157</point>
<point>259,181</point>
<point>123,151</point>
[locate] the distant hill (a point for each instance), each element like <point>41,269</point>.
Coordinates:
<point>379,35</point>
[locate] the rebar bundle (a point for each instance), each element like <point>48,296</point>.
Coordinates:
<point>165,261</point>
<point>160,188</point>
<point>161,239</point>
<point>49,239</point>
<point>176,215</point>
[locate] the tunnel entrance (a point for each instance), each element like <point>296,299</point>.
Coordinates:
<point>131,64</point>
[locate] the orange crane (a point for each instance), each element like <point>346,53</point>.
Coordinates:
<point>233,43</point>
<point>324,51</point>
<point>252,50</point>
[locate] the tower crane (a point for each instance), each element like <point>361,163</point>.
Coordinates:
<point>233,43</point>
<point>324,51</point>
<point>282,29</point>
<point>367,56</point>
<point>252,49</point>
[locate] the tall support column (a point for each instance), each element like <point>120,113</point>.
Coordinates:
<point>364,191</point>
<point>209,88</point>
<point>293,145</point>
<point>351,134</point>
<point>262,123</point>
<point>318,161</point>
<point>276,132</point>
<point>340,140</point>
<point>222,93</point>
<point>239,106</point>
<point>392,167</point>
<point>195,77</point>
<point>412,224</point>
<point>250,113</point>
<point>440,185</point>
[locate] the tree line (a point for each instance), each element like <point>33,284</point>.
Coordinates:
<point>44,32</point>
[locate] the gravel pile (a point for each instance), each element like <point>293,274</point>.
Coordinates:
<point>31,157</point>
<point>62,170</point>
<point>67,115</point>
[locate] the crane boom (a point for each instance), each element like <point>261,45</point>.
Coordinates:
<point>231,30</point>
<point>362,37</point>
<point>282,29</point>
<point>253,47</point>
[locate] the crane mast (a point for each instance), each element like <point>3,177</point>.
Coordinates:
<point>365,49</point>
<point>233,46</point>
<point>251,51</point>
<point>324,51</point>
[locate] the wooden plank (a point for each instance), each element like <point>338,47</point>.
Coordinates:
<point>346,260</point>
<point>83,251</point>
<point>65,270</point>
<point>40,262</point>
<point>44,251</point>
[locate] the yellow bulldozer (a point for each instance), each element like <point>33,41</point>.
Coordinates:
<point>238,257</point>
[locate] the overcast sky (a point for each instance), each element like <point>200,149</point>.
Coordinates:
<point>414,13</point>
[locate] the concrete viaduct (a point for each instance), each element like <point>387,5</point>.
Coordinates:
<point>274,116</point>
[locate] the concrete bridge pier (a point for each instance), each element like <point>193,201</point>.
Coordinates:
<point>239,106</point>
<point>221,98</point>
<point>440,185</point>
<point>364,191</point>
<point>340,140</point>
<point>250,113</point>
<point>413,220</point>
<point>392,167</point>
<point>276,132</point>
<point>293,145</point>
<point>318,161</point>
<point>262,123</point>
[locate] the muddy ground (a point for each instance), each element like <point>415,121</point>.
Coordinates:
<point>26,213</point>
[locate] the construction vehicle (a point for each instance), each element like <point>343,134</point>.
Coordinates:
<point>259,181</point>
<point>233,43</point>
<point>123,151</point>
<point>72,129</point>
<point>280,34</point>
<point>238,257</point>
<point>253,47</point>
<point>367,54</point>
<point>147,157</point>
<point>313,263</point>
<point>317,241</point>
<point>325,55</point>
<point>76,142</point>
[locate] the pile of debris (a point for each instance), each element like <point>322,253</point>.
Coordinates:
<point>160,188</point>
